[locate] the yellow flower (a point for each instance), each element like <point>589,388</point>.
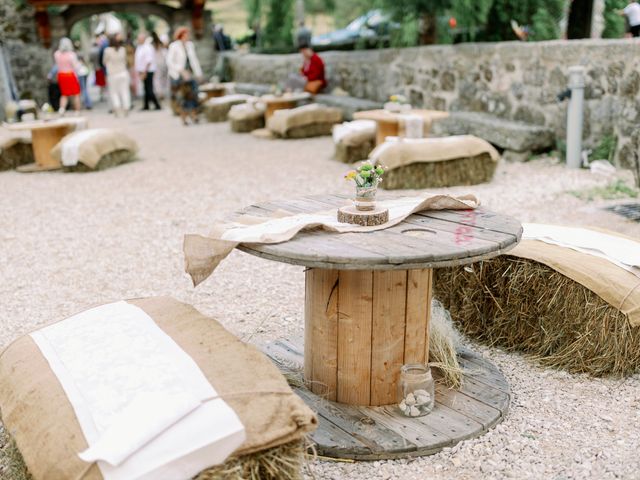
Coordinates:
<point>350,175</point>
<point>393,98</point>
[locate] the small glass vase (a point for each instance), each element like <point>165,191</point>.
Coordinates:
<point>416,390</point>
<point>366,198</point>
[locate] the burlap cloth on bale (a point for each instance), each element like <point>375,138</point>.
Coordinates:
<point>355,133</point>
<point>102,142</point>
<point>615,285</point>
<point>395,152</point>
<point>203,254</point>
<point>233,99</point>
<point>36,411</point>
<point>247,111</point>
<point>284,120</point>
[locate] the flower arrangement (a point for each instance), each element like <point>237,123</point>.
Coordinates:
<point>398,99</point>
<point>366,177</point>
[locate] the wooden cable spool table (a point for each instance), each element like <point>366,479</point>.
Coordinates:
<point>389,122</point>
<point>367,309</point>
<point>45,134</point>
<point>281,102</point>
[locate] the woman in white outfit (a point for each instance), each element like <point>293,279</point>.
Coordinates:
<point>184,69</point>
<point>118,78</point>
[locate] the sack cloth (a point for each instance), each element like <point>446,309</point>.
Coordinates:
<point>397,152</point>
<point>618,286</point>
<point>89,146</point>
<point>203,254</point>
<point>39,416</point>
<point>355,133</point>
<point>232,99</point>
<point>284,120</point>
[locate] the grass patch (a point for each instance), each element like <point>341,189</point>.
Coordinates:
<point>616,190</point>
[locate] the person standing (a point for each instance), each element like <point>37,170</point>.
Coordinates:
<point>184,69</point>
<point>115,60</point>
<point>632,12</point>
<point>67,63</point>
<point>161,77</point>
<point>145,64</point>
<point>83,77</point>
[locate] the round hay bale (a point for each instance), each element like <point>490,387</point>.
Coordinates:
<point>447,173</point>
<point>354,153</point>
<point>523,305</point>
<point>109,160</point>
<point>246,125</point>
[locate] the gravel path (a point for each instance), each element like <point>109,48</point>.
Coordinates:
<point>72,240</point>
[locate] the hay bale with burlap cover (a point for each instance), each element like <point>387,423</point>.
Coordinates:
<point>302,122</point>
<point>15,150</point>
<point>435,162</point>
<point>247,117</point>
<point>95,149</point>
<point>354,141</point>
<point>217,109</point>
<point>565,308</point>
<point>40,418</point>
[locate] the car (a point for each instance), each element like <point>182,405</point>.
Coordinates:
<point>373,29</point>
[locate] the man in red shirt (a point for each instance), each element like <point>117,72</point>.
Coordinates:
<point>313,70</point>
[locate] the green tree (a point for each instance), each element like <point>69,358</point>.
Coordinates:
<point>542,17</point>
<point>419,16</point>
<point>614,25</point>
<point>471,16</point>
<point>278,29</point>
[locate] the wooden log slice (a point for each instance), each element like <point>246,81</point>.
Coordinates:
<point>350,214</point>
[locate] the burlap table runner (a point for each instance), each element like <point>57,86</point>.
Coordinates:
<point>204,253</point>
<point>38,415</point>
<point>284,120</point>
<point>397,152</point>
<point>618,287</point>
<point>95,144</point>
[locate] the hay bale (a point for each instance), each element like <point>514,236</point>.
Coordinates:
<point>217,109</point>
<point>109,160</point>
<point>443,345</point>
<point>283,462</point>
<point>247,125</point>
<point>523,305</point>
<point>354,153</point>
<point>447,173</point>
<point>15,153</point>
<point>307,131</point>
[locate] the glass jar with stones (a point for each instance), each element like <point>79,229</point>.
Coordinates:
<point>416,390</point>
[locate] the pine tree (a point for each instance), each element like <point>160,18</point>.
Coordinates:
<point>278,30</point>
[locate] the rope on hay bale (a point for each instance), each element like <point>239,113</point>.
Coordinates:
<point>460,171</point>
<point>523,305</point>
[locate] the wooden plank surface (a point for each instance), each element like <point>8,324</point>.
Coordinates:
<point>321,330</point>
<point>429,239</point>
<point>371,433</point>
<point>388,334</point>
<point>354,336</point>
<point>416,335</point>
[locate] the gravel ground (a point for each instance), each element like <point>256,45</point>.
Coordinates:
<point>72,240</point>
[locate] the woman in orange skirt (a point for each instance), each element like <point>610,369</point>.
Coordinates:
<point>67,63</point>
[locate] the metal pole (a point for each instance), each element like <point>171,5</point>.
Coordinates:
<point>574,117</point>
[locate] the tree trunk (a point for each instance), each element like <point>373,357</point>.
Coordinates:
<point>428,29</point>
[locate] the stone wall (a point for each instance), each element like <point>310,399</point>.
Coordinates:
<point>512,80</point>
<point>29,60</point>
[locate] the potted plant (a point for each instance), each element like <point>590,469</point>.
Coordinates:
<point>366,178</point>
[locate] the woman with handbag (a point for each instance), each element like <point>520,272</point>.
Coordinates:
<point>184,68</point>
<point>67,62</point>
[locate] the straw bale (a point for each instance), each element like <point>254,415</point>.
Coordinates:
<point>448,173</point>
<point>351,154</point>
<point>109,160</point>
<point>15,154</point>
<point>522,305</point>
<point>306,131</point>
<point>246,125</point>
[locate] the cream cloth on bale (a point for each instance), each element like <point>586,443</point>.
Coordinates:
<point>203,254</point>
<point>397,152</point>
<point>144,406</point>
<point>412,126</point>
<point>71,145</point>
<point>353,133</point>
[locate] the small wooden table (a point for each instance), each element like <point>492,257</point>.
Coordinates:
<point>281,102</point>
<point>368,295</point>
<point>389,122</point>
<point>212,90</point>
<point>45,134</point>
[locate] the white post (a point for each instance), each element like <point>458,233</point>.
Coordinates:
<point>574,117</point>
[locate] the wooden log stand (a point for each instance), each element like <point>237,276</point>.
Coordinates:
<point>361,326</point>
<point>368,218</point>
